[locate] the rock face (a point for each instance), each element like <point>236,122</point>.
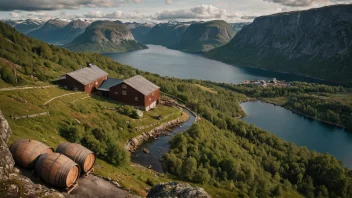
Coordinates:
<point>12,184</point>
<point>49,31</point>
<point>166,34</point>
<point>105,36</point>
<point>316,43</point>
<point>204,36</point>
<point>174,189</point>
<point>139,30</point>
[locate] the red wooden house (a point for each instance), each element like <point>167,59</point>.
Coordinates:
<point>136,91</point>
<point>85,79</point>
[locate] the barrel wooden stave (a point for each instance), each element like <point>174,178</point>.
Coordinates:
<point>57,169</point>
<point>84,157</point>
<point>26,152</point>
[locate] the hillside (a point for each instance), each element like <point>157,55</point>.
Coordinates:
<point>139,30</point>
<point>49,31</point>
<point>315,43</point>
<point>165,34</point>
<point>221,153</point>
<point>204,36</point>
<point>105,36</point>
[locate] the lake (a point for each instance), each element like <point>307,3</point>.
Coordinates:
<point>300,130</point>
<point>166,62</point>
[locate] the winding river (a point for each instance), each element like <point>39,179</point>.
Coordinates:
<point>287,125</point>
<point>159,147</point>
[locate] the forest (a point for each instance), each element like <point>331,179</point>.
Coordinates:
<point>220,150</point>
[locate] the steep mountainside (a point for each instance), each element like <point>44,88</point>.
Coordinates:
<point>71,31</point>
<point>29,25</point>
<point>49,31</point>
<point>204,36</point>
<point>105,36</point>
<point>316,43</point>
<point>238,26</point>
<point>166,34</point>
<point>139,30</point>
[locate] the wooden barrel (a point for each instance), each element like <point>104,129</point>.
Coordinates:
<point>26,152</point>
<point>57,169</point>
<point>84,157</point>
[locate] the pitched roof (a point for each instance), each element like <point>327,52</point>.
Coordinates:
<point>110,82</point>
<point>88,74</point>
<point>141,84</point>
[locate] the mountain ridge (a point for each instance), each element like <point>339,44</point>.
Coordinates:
<point>315,43</point>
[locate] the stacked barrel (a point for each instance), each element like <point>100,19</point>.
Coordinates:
<point>60,169</point>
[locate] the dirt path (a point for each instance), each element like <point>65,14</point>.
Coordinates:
<point>23,88</point>
<point>60,97</point>
<point>95,187</point>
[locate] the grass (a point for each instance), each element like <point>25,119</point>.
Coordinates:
<point>210,90</point>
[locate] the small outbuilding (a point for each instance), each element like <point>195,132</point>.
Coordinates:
<point>136,91</point>
<point>86,79</point>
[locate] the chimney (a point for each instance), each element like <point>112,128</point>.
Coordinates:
<point>89,64</point>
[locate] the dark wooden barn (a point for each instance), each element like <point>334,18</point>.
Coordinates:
<point>86,79</point>
<point>136,91</point>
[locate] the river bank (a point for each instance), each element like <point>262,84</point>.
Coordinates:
<point>161,130</point>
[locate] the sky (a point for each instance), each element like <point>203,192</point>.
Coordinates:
<point>154,10</point>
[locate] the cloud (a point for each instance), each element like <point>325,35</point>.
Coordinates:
<point>34,5</point>
<point>115,15</point>
<point>306,3</point>
<point>199,12</point>
<point>168,2</point>
<point>14,15</point>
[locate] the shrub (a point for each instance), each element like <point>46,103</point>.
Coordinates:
<point>72,133</point>
<point>117,155</point>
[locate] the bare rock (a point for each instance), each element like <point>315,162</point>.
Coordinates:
<point>174,189</point>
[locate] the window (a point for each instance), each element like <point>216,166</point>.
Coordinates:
<point>136,98</point>
<point>116,93</point>
<point>96,82</point>
<point>124,93</point>
<point>124,86</point>
<point>153,94</point>
<point>150,99</point>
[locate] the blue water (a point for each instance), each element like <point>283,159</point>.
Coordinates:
<point>300,130</point>
<point>166,62</point>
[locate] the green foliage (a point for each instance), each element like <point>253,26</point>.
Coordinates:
<point>117,154</point>
<point>128,111</point>
<point>72,133</point>
<point>7,75</point>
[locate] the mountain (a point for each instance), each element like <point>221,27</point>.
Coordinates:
<point>29,25</point>
<point>49,31</point>
<point>165,34</point>
<point>106,36</point>
<point>139,30</point>
<point>71,31</point>
<point>315,43</point>
<point>204,36</point>
<point>238,26</point>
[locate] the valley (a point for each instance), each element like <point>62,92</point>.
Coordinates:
<point>162,101</point>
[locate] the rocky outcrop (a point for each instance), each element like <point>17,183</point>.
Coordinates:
<point>12,184</point>
<point>106,36</point>
<point>174,189</point>
<point>204,36</point>
<point>315,43</point>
